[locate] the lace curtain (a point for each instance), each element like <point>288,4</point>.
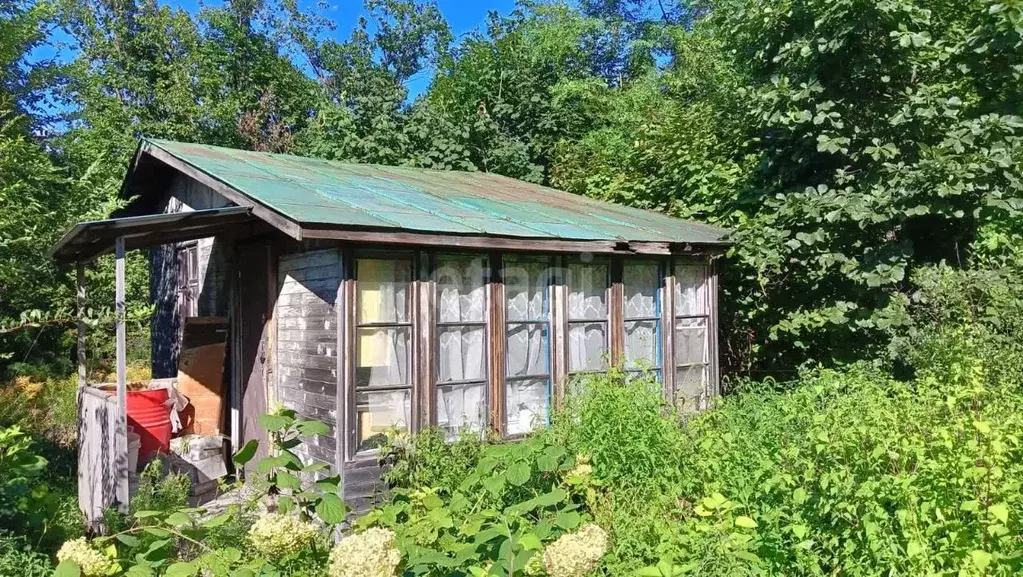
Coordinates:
<point>528,349</point>
<point>587,302</point>
<point>641,311</point>
<point>461,348</point>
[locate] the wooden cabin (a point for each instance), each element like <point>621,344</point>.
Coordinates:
<point>375,297</point>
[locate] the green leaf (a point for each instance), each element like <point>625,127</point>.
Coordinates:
<point>247,452</point>
<point>1000,511</point>
<point>981,559</point>
<point>179,519</point>
<point>331,509</point>
<point>286,480</point>
<point>67,569</point>
<point>745,522</point>
<point>147,514</point>
<point>518,473</point>
<point>311,427</point>
<point>128,540</point>
<point>181,569</point>
<point>275,423</point>
<point>217,520</point>
<point>568,520</point>
<point>552,498</point>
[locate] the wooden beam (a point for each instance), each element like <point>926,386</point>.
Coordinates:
<point>615,305</point>
<point>496,341</point>
<point>558,333</point>
<point>483,242</point>
<point>668,333</point>
<point>121,434</point>
<point>80,302</point>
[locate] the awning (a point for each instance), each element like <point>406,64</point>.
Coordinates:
<point>87,240</point>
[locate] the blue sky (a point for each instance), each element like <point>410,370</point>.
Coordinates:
<point>463,16</point>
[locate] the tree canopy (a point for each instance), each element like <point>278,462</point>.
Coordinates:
<point>846,143</point>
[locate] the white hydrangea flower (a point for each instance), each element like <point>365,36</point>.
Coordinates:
<point>280,534</point>
<point>89,560</point>
<point>371,553</point>
<point>576,554</point>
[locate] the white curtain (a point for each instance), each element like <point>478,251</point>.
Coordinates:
<point>587,300</point>
<point>528,403</point>
<point>382,351</point>
<point>642,281</point>
<point>461,298</point>
<point>690,290</point>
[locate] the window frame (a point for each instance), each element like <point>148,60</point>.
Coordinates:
<point>546,323</point>
<point>433,380</point>
<point>707,308</point>
<point>657,318</point>
<point>607,321</point>
<point>412,325</point>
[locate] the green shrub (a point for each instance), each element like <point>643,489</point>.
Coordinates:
<point>19,559</point>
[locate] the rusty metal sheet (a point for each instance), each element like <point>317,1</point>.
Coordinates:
<point>312,191</point>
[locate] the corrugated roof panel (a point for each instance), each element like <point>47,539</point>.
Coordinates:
<point>315,192</point>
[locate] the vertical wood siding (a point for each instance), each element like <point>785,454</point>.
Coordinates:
<point>306,340</point>
<point>185,195</point>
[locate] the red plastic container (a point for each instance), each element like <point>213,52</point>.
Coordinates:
<point>150,417</point>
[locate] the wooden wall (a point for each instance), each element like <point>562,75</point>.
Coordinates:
<point>183,195</point>
<point>102,456</point>
<point>306,342</point>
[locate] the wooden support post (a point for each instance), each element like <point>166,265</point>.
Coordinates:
<point>497,339</point>
<point>616,305</point>
<point>121,432</point>
<point>80,302</point>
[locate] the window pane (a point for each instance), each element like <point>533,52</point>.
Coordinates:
<point>382,287</point>
<point>461,354</point>
<point>528,403</point>
<point>642,345</point>
<point>461,288</point>
<point>379,412</point>
<point>689,388</point>
<point>462,407</point>
<point>527,351</point>
<point>690,341</point>
<point>587,346</point>
<point>525,285</point>
<point>382,356</point>
<point>587,291</point>
<point>690,290</point>
<point>641,279</point>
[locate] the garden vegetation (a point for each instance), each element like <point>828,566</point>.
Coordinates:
<point>866,155</point>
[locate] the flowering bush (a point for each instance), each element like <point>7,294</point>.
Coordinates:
<point>371,553</point>
<point>279,534</point>
<point>576,554</point>
<point>91,562</point>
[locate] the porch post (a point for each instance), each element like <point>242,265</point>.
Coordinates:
<point>80,302</point>
<point>121,432</point>
<point>119,314</point>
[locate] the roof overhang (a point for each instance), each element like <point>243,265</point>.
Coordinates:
<point>87,240</point>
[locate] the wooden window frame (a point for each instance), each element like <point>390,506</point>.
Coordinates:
<point>350,327</point>
<point>548,322</point>
<point>709,316</point>
<point>611,321</point>
<point>433,343</point>
<point>424,326</point>
<point>658,317</point>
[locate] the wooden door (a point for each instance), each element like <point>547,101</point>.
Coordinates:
<point>254,310</point>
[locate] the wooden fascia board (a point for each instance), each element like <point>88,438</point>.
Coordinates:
<point>490,243</point>
<point>259,210</point>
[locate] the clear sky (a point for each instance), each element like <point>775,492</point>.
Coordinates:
<point>463,16</point>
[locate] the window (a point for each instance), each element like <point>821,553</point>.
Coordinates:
<point>461,342</point>
<point>383,327</point>
<point>587,316</point>
<point>527,317</point>
<point>642,316</point>
<point>188,280</point>
<point>692,314</point>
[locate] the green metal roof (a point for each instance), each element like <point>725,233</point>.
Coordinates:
<point>314,192</point>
